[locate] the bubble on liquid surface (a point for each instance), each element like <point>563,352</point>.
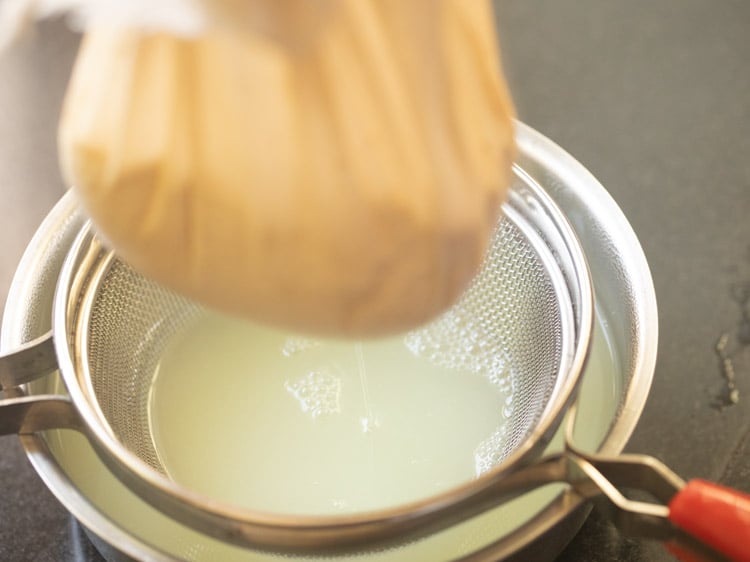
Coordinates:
<point>318,392</point>
<point>459,342</point>
<point>492,451</point>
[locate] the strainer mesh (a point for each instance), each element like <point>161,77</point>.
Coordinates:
<point>507,327</point>
<point>131,322</point>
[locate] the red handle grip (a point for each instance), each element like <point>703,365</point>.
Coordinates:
<point>718,516</point>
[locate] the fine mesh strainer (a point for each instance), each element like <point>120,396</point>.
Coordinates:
<point>121,323</point>
<point>532,300</point>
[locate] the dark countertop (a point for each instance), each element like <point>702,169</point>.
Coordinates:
<point>653,96</point>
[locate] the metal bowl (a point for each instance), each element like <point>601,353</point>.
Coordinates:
<point>626,312</point>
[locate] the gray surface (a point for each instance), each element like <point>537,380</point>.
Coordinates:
<point>652,96</point>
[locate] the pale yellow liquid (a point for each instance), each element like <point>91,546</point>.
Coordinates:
<point>272,421</point>
<point>218,461</point>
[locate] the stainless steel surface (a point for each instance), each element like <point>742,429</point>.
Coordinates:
<point>30,303</point>
<point>28,362</point>
<point>531,308</point>
<point>24,415</point>
<point>541,154</point>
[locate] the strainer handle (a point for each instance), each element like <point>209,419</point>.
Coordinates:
<point>698,521</point>
<point>29,414</point>
<point>21,414</point>
<point>28,362</point>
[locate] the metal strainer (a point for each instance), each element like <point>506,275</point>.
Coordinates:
<point>532,303</point>
<point>518,306</point>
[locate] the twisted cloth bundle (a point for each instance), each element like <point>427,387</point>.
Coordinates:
<point>332,167</point>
